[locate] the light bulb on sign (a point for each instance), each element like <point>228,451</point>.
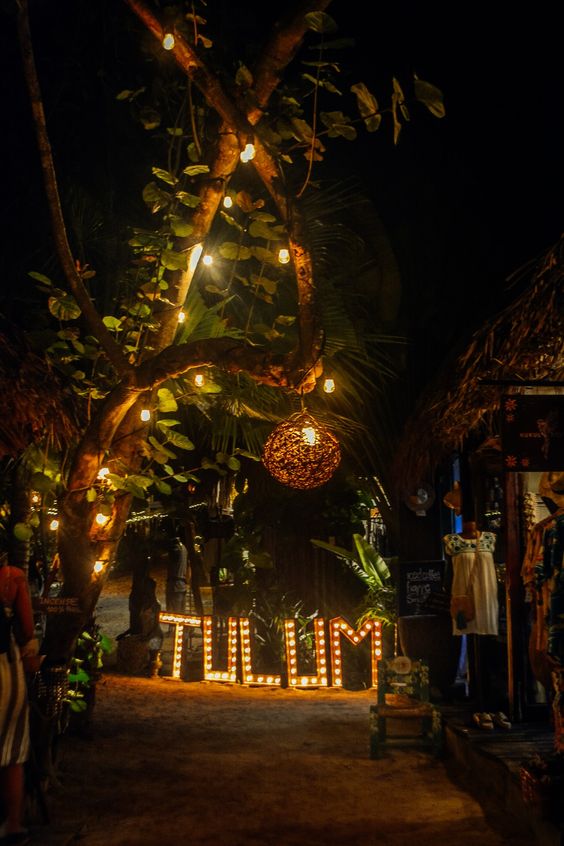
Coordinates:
<point>283,255</point>
<point>168,41</point>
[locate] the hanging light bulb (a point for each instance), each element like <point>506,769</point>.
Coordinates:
<point>199,380</point>
<point>103,472</point>
<point>99,566</point>
<point>309,435</point>
<point>283,255</point>
<point>227,201</point>
<point>208,260</point>
<point>102,519</point>
<point>181,316</point>
<point>35,498</point>
<point>145,415</point>
<point>329,385</point>
<point>54,525</point>
<point>248,153</point>
<point>168,41</point>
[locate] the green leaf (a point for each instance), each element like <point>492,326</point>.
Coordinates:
<point>166,401</point>
<point>112,323</point>
<point>42,483</point>
<point>367,106</point>
<point>167,422</point>
<point>258,229</point>
<point>161,447</point>
<point>210,388</point>
<point>155,197</point>
<point>163,487</point>
<point>165,175</point>
<point>140,481</point>
<point>430,96</point>
<point>320,22</point>
<point>196,169</point>
<point>233,463</point>
<point>64,307</point>
<point>22,532</point>
<point>190,200</point>
<point>40,278</point>
<point>173,260</point>
<point>179,227</point>
<point>91,495</point>
<point>230,250</point>
<point>179,440</point>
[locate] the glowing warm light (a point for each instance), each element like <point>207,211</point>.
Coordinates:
<point>208,260</point>
<point>181,316</point>
<point>227,201</point>
<point>248,153</point>
<point>284,256</point>
<point>102,519</point>
<point>168,41</point>
<point>309,434</point>
<point>199,380</point>
<point>145,415</point>
<point>220,675</point>
<point>54,525</point>
<point>329,385</point>
<point>103,472</point>
<point>180,622</point>
<point>320,677</point>
<point>99,566</point>
<point>35,498</point>
<point>246,661</point>
<point>340,627</point>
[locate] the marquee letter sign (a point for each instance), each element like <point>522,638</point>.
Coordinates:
<point>339,627</point>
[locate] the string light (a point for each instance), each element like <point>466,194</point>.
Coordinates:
<point>248,153</point>
<point>35,498</point>
<point>103,472</point>
<point>168,41</point>
<point>283,255</point>
<point>227,201</point>
<point>99,566</point>
<point>102,519</point>
<point>208,260</point>
<point>199,380</point>
<point>181,316</point>
<point>54,525</point>
<point>329,385</point>
<point>145,415</point>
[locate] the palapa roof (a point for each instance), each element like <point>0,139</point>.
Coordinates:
<point>523,343</point>
<point>34,400</point>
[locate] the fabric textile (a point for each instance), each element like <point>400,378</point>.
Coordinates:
<point>472,561</point>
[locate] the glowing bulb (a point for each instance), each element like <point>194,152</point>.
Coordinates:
<point>227,202</point>
<point>103,472</point>
<point>35,498</point>
<point>208,260</point>
<point>98,566</point>
<point>309,434</point>
<point>101,519</point>
<point>283,255</point>
<point>145,415</point>
<point>181,316</point>
<point>54,525</point>
<point>248,153</point>
<point>199,380</point>
<point>168,41</point>
<point>329,385</point>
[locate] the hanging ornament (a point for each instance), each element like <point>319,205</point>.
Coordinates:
<point>301,453</point>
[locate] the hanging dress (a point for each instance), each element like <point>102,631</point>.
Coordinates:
<point>472,562</point>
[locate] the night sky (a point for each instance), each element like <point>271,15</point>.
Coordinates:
<point>465,200</point>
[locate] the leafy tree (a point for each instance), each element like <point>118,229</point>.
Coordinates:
<point>213,357</point>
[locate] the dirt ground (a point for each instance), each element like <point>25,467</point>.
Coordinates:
<point>199,763</point>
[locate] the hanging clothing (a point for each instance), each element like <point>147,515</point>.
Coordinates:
<point>473,566</point>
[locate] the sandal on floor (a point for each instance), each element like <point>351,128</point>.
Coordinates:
<point>501,721</point>
<point>483,720</point>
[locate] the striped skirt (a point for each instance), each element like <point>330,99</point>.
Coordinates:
<point>14,711</point>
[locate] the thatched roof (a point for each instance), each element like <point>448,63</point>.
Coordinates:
<point>34,401</point>
<point>524,343</point>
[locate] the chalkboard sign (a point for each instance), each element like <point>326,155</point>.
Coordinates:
<point>417,581</point>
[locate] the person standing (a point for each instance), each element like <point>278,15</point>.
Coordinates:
<point>17,640</point>
<point>177,575</point>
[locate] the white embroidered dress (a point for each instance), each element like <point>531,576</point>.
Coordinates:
<point>477,553</point>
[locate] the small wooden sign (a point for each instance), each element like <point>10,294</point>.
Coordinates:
<point>58,605</point>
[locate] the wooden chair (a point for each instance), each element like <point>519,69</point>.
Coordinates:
<point>403,696</point>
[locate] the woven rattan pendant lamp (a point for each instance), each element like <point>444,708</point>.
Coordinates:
<point>301,453</point>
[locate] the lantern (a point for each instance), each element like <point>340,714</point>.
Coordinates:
<point>301,453</point>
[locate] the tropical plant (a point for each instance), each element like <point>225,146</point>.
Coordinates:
<point>380,601</point>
